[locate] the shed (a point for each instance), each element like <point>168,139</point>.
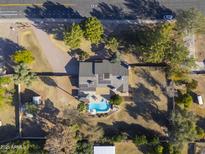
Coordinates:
<point>200,100</point>
<point>37,100</point>
<point>104,149</point>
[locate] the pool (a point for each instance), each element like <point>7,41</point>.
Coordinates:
<point>99,107</point>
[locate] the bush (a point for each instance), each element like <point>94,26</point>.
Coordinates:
<point>192,85</point>
<point>154,140</point>
<point>73,36</point>
<point>4,80</point>
<point>83,55</point>
<point>31,108</point>
<point>158,149</point>
<point>185,100</point>
<point>200,132</point>
<point>119,138</point>
<point>112,44</point>
<point>23,56</point>
<point>116,100</point>
<point>81,107</point>
<point>84,147</point>
<point>140,140</point>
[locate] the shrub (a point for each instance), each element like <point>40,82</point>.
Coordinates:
<point>119,138</point>
<point>4,81</point>
<point>200,132</point>
<point>31,108</point>
<point>23,56</point>
<point>154,140</point>
<point>192,85</point>
<point>112,44</point>
<point>158,149</point>
<point>83,55</point>
<point>185,100</point>
<point>81,107</point>
<point>140,140</point>
<point>116,100</point>
<point>84,147</point>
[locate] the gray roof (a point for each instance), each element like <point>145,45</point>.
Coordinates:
<point>86,69</point>
<point>112,68</point>
<point>91,75</point>
<point>91,68</point>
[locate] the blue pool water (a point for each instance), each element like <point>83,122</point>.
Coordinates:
<point>99,107</point>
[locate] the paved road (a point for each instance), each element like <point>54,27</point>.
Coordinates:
<point>109,9</point>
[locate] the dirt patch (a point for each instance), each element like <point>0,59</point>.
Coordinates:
<point>84,45</point>
<point>200,44</point>
<point>129,58</point>
<point>28,40</point>
<point>196,108</point>
<point>126,147</point>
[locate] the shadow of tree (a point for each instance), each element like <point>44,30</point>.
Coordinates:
<point>108,11</point>
<point>27,95</point>
<point>8,131</point>
<point>51,82</point>
<point>33,128</point>
<point>146,9</point>
<point>49,112</point>
<point>52,10</point>
<point>7,48</point>
<point>145,105</point>
<point>151,80</point>
<point>130,129</point>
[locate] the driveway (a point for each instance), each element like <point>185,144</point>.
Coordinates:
<point>60,61</point>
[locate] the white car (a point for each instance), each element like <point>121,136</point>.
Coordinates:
<point>168,17</point>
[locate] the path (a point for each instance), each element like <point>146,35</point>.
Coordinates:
<point>59,61</point>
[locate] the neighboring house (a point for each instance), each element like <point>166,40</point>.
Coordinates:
<point>98,75</point>
<point>104,150</point>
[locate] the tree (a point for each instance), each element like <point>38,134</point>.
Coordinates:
<point>183,127</point>
<point>112,44</point>
<point>22,74</point>
<point>93,30</point>
<point>185,100</point>
<point>73,36</point>
<point>157,43</point>
<point>116,99</point>
<point>23,56</point>
<point>140,140</point>
<point>61,139</point>
<point>190,21</point>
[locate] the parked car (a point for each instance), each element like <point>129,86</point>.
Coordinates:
<point>168,17</point>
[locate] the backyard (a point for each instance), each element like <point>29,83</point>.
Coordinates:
<point>145,114</point>
<point>56,93</point>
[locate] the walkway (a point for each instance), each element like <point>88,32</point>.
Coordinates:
<point>59,60</point>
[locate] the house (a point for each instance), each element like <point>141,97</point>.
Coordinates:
<point>104,149</point>
<point>101,76</point>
